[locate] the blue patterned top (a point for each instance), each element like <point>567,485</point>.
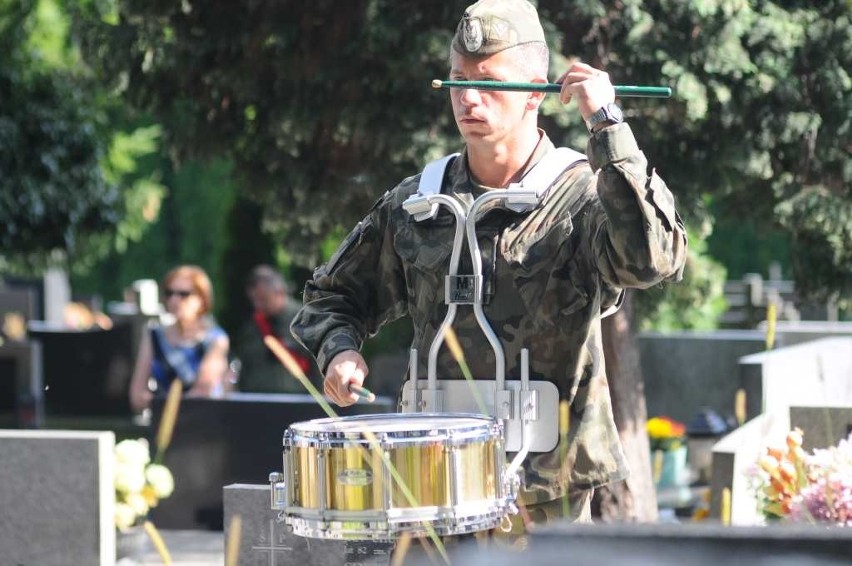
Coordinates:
<point>182,362</point>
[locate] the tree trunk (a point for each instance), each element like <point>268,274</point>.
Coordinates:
<point>633,500</point>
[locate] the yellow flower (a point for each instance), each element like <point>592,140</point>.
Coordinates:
<point>150,496</point>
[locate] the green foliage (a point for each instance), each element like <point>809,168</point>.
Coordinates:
<point>760,121</point>
<point>53,195</point>
<point>64,157</point>
<point>322,106</point>
<point>190,227</point>
<point>320,113</point>
<point>696,303</point>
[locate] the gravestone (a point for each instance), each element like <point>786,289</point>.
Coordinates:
<point>237,439</point>
<point>57,500</point>
<point>814,373</point>
<point>685,372</point>
<point>733,457</point>
<point>695,544</point>
<point>86,373</point>
<point>822,426</point>
<point>266,541</point>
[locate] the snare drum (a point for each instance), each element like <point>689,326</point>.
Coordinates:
<point>377,476</point>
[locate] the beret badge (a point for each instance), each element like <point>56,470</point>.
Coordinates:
<point>472,34</point>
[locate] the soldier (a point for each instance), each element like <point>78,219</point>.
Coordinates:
<point>608,222</point>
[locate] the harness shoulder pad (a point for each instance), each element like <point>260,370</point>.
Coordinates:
<point>432,178</point>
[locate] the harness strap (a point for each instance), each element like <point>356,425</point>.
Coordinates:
<point>539,179</point>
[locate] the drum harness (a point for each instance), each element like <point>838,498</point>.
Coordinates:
<point>520,405</point>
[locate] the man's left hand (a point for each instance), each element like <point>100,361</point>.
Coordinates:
<point>590,87</point>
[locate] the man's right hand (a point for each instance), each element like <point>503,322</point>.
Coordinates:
<point>345,368</point>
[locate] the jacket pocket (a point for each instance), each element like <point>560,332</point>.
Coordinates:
<point>425,253</point>
<point>548,275</point>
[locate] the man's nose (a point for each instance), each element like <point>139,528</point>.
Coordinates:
<point>469,96</point>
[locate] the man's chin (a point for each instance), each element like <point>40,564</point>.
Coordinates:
<point>474,132</point>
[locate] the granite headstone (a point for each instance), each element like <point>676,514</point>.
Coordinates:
<point>266,541</point>
<point>57,500</point>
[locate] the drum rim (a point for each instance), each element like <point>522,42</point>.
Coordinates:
<point>485,426</point>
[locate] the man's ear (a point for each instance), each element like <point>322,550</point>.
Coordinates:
<point>535,99</point>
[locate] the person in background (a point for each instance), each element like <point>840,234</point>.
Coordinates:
<point>192,348</point>
<point>273,310</point>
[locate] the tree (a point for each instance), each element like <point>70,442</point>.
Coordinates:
<point>68,193</point>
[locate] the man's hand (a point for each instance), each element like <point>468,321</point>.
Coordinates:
<point>589,86</point>
<point>345,368</point>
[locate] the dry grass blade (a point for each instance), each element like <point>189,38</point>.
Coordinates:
<point>293,367</point>
<point>402,546</point>
<point>168,419</point>
<point>158,542</point>
<point>455,348</point>
<point>232,545</point>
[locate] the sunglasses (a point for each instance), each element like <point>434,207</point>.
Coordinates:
<point>179,292</point>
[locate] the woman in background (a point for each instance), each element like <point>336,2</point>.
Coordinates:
<point>193,349</point>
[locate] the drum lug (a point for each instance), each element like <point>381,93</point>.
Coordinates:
<point>529,405</point>
<point>503,404</point>
<point>278,490</point>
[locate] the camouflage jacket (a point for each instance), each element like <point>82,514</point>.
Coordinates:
<point>605,225</point>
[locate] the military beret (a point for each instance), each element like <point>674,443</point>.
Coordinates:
<point>490,26</point>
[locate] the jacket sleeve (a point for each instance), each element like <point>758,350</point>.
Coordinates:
<point>639,238</point>
<point>361,288</point>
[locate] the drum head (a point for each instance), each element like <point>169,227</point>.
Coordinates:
<point>397,425</point>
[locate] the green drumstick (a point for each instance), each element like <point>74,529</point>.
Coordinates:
<point>362,392</point>
<point>620,90</point>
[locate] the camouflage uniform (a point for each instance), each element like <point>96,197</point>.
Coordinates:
<point>549,273</point>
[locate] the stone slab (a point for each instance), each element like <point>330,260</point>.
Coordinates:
<point>685,372</point>
<point>815,373</point>
<point>237,439</point>
<point>822,426</point>
<point>734,455</point>
<point>696,544</point>
<point>57,500</point>
<point>266,541</point>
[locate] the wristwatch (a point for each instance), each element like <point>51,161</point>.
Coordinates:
<point>609,112</point>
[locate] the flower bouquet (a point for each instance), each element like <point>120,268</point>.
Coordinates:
<point>139,483</point>
<point>668,451</point>
<point>799,487</point>
<point>665,434</point>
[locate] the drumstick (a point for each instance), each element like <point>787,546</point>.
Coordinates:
<point>292,366</point>
<point>620,90</point>
<point>362,392</point>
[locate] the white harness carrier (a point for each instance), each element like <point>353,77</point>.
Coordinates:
<point>528,409</point>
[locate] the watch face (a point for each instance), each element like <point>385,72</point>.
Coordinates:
<point>615,113</point>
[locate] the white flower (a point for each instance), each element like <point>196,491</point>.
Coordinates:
<point>129,478</point>
<point>125,516</point>
<point>134,452</point>
<point>138,503</point>
<point>160,478</point>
